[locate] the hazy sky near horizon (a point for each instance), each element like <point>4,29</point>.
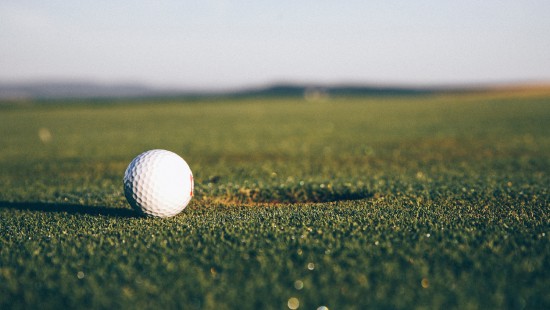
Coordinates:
<point>223,44</point>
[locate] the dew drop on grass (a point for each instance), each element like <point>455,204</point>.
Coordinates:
<point>80,275</point>
<point>298,284</point>
<point>311,266</point>
<point>45,135</point>
<point>425,283</point>
<point>293,303</point>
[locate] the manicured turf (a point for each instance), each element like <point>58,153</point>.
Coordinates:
<point>348,203</point>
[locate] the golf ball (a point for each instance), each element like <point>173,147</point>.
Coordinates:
<point>158,183</point>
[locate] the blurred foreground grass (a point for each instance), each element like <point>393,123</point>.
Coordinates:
<point>420,202</point>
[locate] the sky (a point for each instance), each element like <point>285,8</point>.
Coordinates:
<point>216,44</point>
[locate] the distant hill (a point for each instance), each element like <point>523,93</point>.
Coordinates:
<point>88,90</point>
<point>299,90</point>
<point>65,90</point>
<point>57,90</point>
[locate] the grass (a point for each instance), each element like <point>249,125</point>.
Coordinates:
<point>349,203</point>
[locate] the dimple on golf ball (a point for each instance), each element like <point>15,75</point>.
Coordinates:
<point>158,183</point>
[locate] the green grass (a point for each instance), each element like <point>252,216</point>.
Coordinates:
<point>350,203</point>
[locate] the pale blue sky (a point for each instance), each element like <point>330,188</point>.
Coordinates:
<point>220,44</point>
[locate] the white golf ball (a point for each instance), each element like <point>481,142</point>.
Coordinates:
<point>158,183</point>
